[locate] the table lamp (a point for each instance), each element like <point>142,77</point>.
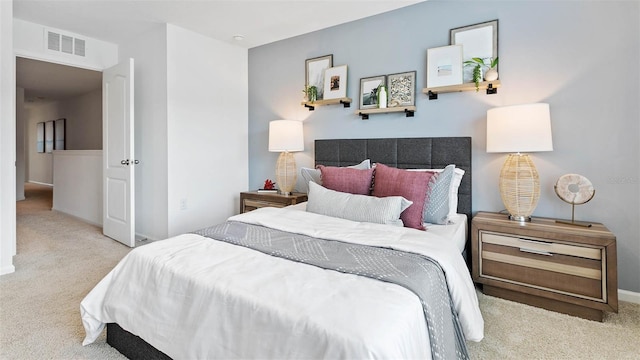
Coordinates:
<point>518,129</point>
<point>285,136</point>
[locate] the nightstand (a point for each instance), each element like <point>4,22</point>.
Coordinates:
<point>251,200</point>
<point>564,268</point>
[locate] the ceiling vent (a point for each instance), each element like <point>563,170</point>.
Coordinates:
<point>64,43</point>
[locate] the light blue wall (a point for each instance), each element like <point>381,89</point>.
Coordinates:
<point>580,57</point>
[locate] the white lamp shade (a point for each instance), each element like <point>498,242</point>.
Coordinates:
<point>285,136</point>
<point>519,128</point>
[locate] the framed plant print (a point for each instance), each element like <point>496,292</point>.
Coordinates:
<point>444,66</point>
<point>402,89</point>
<point>314,73</point>
<point>335,82</point>
<point>477,40</point>
<point>369,91</point>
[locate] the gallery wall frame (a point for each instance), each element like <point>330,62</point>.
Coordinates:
<point>477,40</point>
<point>401,89</point>
<point>314,72</point>
<point>444,66</point>
<point>335,82</point>
<point>369,91</point>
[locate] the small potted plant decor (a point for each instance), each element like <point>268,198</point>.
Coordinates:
<point>478,65</point>
<point>310,93</point>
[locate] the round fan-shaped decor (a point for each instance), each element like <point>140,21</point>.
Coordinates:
<point>574,189</point>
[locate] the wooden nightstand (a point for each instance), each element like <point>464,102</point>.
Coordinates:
<point>564,268</point>
<point>251,200</point>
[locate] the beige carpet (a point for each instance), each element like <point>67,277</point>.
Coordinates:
<point>61,258</point>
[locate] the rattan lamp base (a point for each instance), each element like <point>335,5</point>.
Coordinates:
<point>286,174</point>
<point>519,186</point>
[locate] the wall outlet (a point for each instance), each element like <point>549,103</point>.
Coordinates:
<point>183,204</point>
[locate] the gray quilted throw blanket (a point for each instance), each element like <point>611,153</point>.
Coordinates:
<point>418,273</point>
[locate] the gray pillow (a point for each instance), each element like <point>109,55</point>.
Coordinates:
<point>356,207</point>
<point>436,209</point>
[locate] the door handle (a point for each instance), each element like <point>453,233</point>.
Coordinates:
<point>124,162</point>
<point>136,162</point>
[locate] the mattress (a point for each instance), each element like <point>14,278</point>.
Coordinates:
<point>194,297</point>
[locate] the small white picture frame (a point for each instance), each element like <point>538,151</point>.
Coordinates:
<point>335,82</point>
<point>444,66</point>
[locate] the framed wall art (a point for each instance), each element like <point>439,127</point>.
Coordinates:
<point>40,137</point>
<point>335,82</point>
<point>369,91</point>
<point>444,66</point>
<point>314,73</point>
<point>48,136</point>
<point>402,89</point>
<point>477,40</point>
<point>59,134</point>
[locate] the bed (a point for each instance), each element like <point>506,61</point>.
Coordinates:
<point>194,297</point>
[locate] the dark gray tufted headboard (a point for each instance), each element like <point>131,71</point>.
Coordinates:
<point>404,153</point>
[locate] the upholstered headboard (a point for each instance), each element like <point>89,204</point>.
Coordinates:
<point>404,153</point>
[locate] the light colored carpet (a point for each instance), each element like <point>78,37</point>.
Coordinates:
<point>61,258</point>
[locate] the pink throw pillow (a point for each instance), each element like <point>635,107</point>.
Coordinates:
<point>348,180</point>
<point>412,185</point>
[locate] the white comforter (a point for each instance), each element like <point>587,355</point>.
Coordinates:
<point>193,297</point>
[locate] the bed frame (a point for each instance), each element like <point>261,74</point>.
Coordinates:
<point>403,153</point>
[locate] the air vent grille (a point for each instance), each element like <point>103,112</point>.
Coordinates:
<point>65,43</point>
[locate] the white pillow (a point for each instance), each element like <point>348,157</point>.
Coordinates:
<point>455,184</point>
<point>313,175</point>
<point>356,207</point>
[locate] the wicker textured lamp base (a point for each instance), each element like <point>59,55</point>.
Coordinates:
<point>286,175</point>
<point>519,186</point>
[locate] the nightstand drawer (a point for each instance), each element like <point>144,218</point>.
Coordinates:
<point>256,204</point>
<point>562,268</point>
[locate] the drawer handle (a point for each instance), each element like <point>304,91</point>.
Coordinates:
<point>535,242</point>
<point>533,251</point>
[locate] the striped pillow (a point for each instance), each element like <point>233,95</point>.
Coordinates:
<point>355,207</point>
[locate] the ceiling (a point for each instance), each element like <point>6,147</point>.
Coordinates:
<point>259,22</point>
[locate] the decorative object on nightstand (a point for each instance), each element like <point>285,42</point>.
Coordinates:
<point>515,129</point>
<point>286,136</point>
<point>576,190</point>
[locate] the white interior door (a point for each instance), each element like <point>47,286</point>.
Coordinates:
<point>117,149</point>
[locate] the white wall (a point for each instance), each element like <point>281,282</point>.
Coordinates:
<point>580,57</point>
<point>149,51</point>
<point>30,42</point>
<point>84,121</point>
<point>77,184</point>
<point>40,165</point>
<point>21,171</point>
<point>7,140</point>
<point>207,120</point>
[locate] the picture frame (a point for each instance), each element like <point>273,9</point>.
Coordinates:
<point>40,137</point>
<point>369,91</point>
<point>444,66</point>
<point>335,82</point>
<point>49,130</point>
<point>477,40</point>
<point>314,73</point>
<point>401,89</point>
<point>59,134</point>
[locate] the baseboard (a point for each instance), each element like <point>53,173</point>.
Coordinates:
<point>78,217</point>
<point>7,269</point>
<point>39,183</point>
<point>629,296</point>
